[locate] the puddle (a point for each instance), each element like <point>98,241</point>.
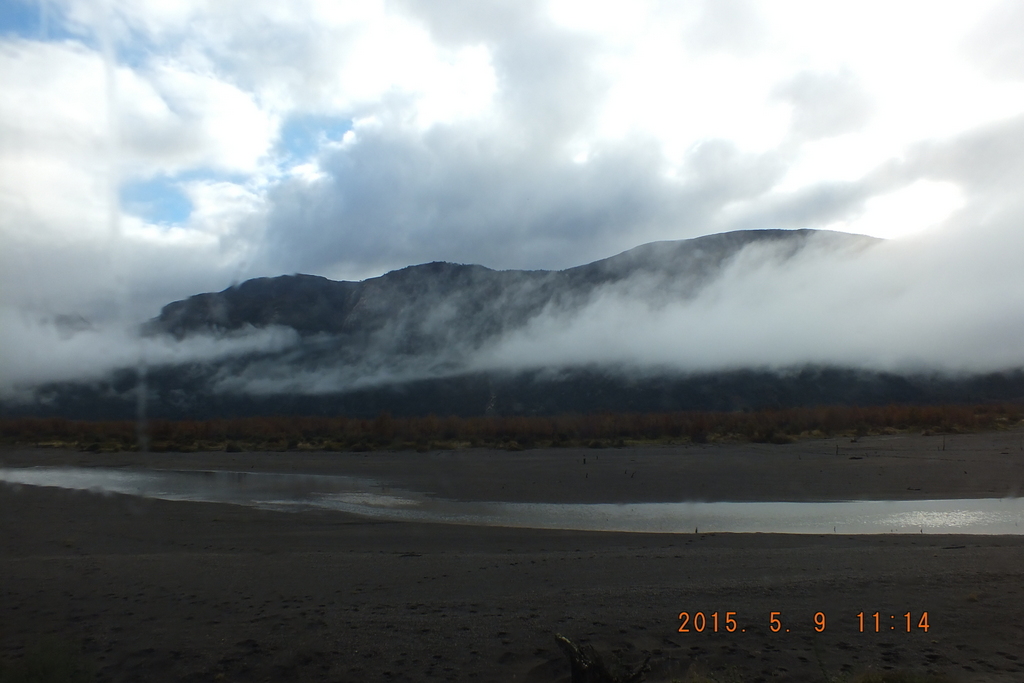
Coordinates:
<point>213,486</point>
<point>372,498</point>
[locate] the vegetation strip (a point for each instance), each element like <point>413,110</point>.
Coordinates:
<point>514,433</point>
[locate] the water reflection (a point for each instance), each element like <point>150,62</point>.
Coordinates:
<point>372,498</point>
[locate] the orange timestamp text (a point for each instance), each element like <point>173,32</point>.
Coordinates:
<point>727,622</point>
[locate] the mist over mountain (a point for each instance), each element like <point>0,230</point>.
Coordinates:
<point>432,307</point>
<point>633,332</point>
<point>152,155</point>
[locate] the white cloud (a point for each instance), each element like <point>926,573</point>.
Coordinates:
<point>37,351</point>
<point>921,205</point>
<point>219,207</point>
<point>903,305</point>
<point>55,153</point>
<point>994,43</point>
<point>170,119</point>
<point>514,134</point>
<point>60,161</point>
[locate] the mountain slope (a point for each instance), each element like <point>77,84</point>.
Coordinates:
<point>444,300</point>
<point>406,342</point>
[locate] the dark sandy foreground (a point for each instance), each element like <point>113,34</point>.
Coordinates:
<point>162,591</point>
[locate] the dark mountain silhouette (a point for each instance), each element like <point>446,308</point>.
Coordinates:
<point>398,343</point>
<point>433,306</point>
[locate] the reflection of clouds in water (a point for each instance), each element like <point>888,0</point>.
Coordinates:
<point>951,519</point>
<point>84,479</point>
<point>369,498</point>
<point>981,516</point>
<point>242,488</point>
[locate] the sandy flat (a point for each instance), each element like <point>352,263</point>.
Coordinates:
<point>163,591</point>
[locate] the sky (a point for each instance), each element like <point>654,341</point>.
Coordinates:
<point>154,149</point>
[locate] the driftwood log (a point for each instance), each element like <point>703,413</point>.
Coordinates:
<point>586,665</point>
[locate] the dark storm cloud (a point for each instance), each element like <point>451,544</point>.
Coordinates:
<point>459,194</point>
<point>504,192</point>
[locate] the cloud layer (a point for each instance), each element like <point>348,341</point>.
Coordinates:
<point>149,151</point>
<point>899,306</point>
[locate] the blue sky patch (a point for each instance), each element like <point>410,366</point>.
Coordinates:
<point>208,174</point>
<point>159,200</point>
<point>302,135</point>
<point>23,19</point>
<point>33,20</point>
<point>43,20</point>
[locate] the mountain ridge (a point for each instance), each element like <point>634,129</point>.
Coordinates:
<point>404,343</point>
<point>313,304</point>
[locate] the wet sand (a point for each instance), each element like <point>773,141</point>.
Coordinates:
<point>166,591</point>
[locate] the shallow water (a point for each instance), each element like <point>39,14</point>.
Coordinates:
<point>372,498</point>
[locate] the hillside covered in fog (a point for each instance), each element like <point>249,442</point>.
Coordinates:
<point>626,333</point>
<point>442,310</point>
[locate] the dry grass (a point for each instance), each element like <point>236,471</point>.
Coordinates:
<point>901,677</point>
<point>512,433</point>
<point>870,677</point>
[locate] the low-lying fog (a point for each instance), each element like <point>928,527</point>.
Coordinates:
<point>938,302</point>
<point>948,301</point>
<point>142,163</point>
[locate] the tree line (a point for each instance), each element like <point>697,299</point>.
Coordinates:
<point>596,430</point>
